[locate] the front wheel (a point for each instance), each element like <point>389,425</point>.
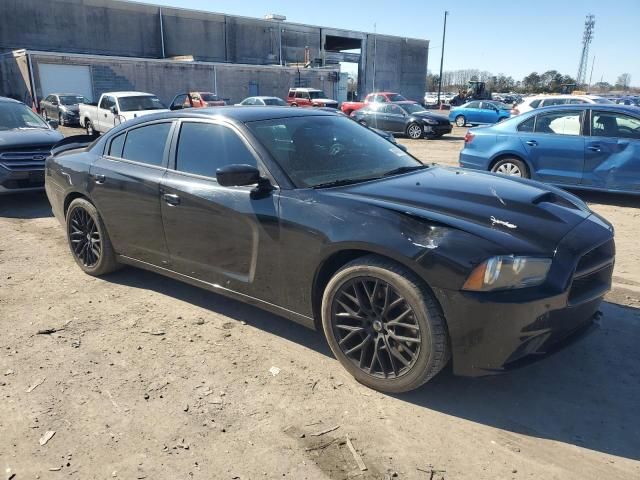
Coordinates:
<point>512,167</point>
<point>384,325</point>
<point>88,239</point>
<point>414,131</point>
<point>44,115</point>
<point>61,120</point>
<point>461,121</point>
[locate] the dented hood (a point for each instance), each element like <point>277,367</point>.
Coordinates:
<point>520,215</point>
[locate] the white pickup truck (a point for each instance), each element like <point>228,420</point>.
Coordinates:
<point>115,108</point>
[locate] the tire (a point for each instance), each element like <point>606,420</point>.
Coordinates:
<point>461,121</point>
<point>414,131</point>
<point>89,127</point>
<point>424,323</point>
<point>44,115</point>
<point>61,120</point>
<point>85,224</point>
<point>294,104</point>
<point>511,167</point>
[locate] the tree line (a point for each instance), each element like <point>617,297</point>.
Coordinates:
<point>550,81</point>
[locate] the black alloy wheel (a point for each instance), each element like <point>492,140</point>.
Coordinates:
<point>88,239</point>
<point>384,325</point>
<point>375,327</point>
<point>84,237</point>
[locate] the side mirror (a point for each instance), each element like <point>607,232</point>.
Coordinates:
<point>53,124</point>
<point>176,107</point>
<point>114,110</point>
<point>237,175</point>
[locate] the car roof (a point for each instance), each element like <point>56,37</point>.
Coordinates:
<point>72,94</point>
<point>247,113</point>
<point>597,106</point>
<point>9,100</point>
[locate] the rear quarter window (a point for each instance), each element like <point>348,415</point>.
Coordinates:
<point>527,125</point>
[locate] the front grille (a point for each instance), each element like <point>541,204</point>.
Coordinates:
<point>592,277</point>
<point>24,160</point>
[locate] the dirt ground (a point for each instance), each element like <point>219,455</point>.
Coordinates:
<point>150,378</point>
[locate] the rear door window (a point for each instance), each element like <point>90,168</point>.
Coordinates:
<point>147,144</point>
<point>565,122</point>
<point>554,101</point>
<point>535,103</point>
<point>203,148</point>
<point>473,105</point>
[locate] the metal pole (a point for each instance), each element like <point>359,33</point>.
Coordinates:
<point>161,34</point>
<point>34,95</point>
<point>593,62</point>
<point>280,48</point>
<point>375,52</point>
<point>444,33</point>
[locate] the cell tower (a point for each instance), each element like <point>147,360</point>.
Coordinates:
<point>589,25</point>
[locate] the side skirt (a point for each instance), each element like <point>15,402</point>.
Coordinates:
<point>213,287</point>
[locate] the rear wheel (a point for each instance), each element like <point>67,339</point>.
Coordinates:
<point>383,325</point>
<point>88,239</point>
<point>461,121</point>
<point>414,131</point>
<point>512,167</point>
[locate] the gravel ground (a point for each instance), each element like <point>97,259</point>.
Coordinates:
<point>147,377</point>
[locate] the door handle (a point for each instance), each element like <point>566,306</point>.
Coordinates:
<point>99,178</point>
<point>532,143</point>
<point>594,148</point>
<point>171,198</point>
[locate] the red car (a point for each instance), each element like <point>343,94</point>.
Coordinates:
<point>309,97</point>
<point>378,97</point>
<point>196,100</point>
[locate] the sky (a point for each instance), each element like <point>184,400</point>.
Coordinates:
<point>512,37</point>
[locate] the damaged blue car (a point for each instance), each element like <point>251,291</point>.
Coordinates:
<point>594,147</point>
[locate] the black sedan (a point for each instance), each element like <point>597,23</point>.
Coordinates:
<point>406,118</point>
<point>63,107</point>
<point>309,215</point>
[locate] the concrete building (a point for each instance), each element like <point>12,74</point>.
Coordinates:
<point>115,44</point>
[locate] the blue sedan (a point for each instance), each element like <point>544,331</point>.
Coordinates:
<point>485,112</point>
<point>595,147</point>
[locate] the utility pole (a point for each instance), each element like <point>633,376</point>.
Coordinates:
<point>593,62</point>
<point>444,34</point>
<point>375,52</point>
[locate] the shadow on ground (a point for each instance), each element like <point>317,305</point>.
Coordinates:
<point>25,205</point>
<point>585,395</point>
<point>604,198</point>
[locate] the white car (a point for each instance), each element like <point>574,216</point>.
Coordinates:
<point>113,108</point>
<point>538,101</point>
<point>272,101</point>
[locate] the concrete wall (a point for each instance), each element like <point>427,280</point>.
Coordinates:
<point>14,78</point>
<point>167,78</point>
<point>108,27</point>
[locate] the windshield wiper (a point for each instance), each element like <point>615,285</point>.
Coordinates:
<point>343,181</point>
<point>400,170</point>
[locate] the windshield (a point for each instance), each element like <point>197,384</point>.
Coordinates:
<point>396,97</point>
<point>412,107</point>
<point>274,101</point>
<point>601,100</point>
<point>72,99</point>
<point>209,97</point>
<point>319,150</point>
<point>16,115</point>
<point>318,94</point>
<point>142,102</point>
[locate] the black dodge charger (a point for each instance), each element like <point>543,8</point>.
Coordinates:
<point>309,215</point>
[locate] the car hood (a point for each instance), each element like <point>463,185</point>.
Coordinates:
<point>41,137</point>
<point>521,216</point>
<point>434,116</point>
<point>70,108</point>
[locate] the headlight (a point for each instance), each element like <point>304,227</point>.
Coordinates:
<point>508,272</point>
<point>429,121</point>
